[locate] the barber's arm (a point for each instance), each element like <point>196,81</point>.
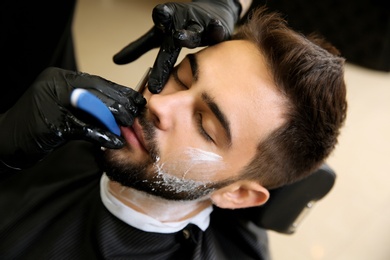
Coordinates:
<point>176,25</point>
<point>44,119</point>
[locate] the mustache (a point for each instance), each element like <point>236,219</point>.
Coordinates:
<point>149,131</point>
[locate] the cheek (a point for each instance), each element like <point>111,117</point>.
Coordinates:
<point>192,164</point>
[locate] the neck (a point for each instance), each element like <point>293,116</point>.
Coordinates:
<point>156,207</point>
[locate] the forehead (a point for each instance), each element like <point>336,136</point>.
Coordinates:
<point>236,75</point>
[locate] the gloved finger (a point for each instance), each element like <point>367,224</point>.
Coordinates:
<point>79,130</point>
<point>124,104</point>
<point>162,16</point>
<point>216,32</point>
<point>128,97</point>
<point>163,65</point>
<point>131,94</point>
<point>150,40</point>
<point>122,114</point>
<point>190,37</point>
<point>103,138</point>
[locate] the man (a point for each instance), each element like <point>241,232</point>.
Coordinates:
<point>233,121</point>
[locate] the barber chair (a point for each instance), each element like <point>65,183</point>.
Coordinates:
<point>289,204</point>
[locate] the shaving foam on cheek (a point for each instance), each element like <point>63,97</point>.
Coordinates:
<point>192,164</point>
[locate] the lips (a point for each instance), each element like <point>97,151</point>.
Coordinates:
<point>134,136</point>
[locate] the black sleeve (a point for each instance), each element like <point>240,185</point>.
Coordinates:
<point>34,35</point>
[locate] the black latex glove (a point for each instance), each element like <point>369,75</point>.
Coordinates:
<point>44,119</point>
<point>178,25</point>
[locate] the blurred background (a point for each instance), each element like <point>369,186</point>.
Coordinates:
<point>353,220</point>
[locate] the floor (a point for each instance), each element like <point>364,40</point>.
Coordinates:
<point>353,221</point>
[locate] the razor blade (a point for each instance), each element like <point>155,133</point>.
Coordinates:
<point>143,82</point>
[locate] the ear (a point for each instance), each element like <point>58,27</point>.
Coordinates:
<point>241,194</point>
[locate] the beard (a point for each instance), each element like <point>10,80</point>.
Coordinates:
<point>148,176</point>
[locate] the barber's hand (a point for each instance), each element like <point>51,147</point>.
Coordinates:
<point>178,25</point>
<point>43,118</point>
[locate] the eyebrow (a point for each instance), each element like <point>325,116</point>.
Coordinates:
<point>221,117</point>
<point>194,66</point>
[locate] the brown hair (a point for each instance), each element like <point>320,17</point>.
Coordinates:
<point>310,73</point>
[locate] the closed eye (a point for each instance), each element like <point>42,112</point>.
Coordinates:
<point>202,131</point>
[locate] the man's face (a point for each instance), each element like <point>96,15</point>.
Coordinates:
<point>203,128</point>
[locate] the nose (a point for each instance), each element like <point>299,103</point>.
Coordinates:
<point>169,110</point>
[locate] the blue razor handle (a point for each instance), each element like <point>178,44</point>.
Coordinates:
<point>86,101</point>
